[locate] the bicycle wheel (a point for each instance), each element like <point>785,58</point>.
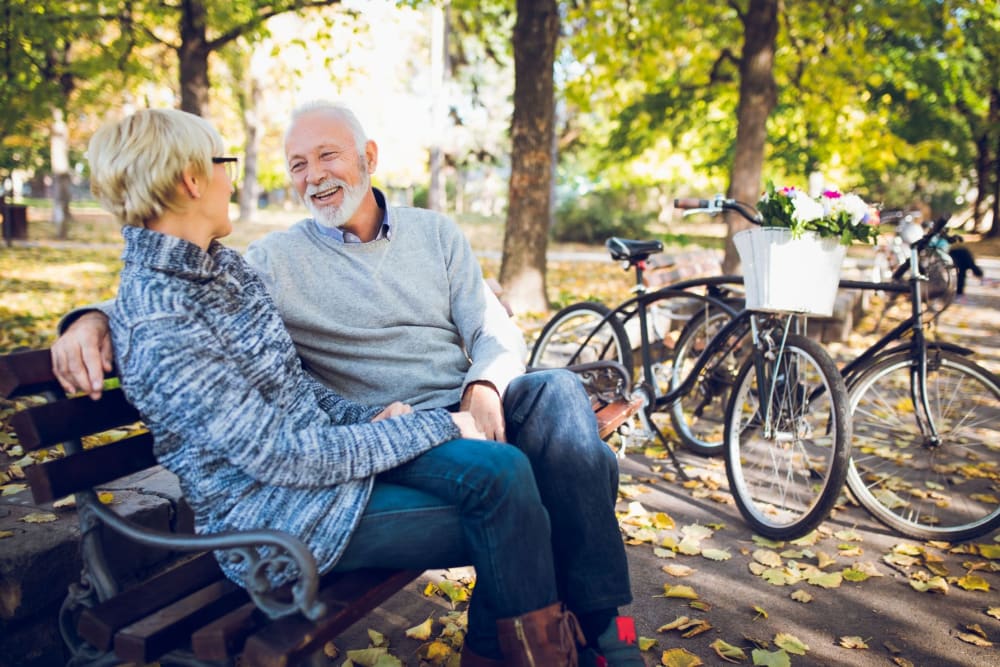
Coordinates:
<point>699,416</point>
<point>786,473</point>
<point>949,490</point>
<point>580,333</point>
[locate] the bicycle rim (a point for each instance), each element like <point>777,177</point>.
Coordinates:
<point>786,482</point>
<point>579,333</point>
<point>699,416</point>
<point>947,491</point>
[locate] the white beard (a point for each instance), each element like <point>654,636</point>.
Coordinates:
<point>331,215</point>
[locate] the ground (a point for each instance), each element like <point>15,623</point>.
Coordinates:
<point>706,589</point>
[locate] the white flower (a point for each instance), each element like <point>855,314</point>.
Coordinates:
<point>805,208</point>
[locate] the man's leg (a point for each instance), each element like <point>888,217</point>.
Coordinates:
<point>464,502</point>
<point>549,418</point>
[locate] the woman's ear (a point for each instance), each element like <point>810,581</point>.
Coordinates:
<point>190,183</point>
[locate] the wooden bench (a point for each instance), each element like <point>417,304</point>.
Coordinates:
<point>187,610</point>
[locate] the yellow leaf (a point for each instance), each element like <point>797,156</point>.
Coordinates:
<point>6,533</point>
<point>826,580</point>
<point>770,658</point>
<point>330,650</point>
<point>696,531</point>
<point>11,489</point>
<point>646,643</point>
<point>848,535</point>
<point>974,639</point>
<point>435,652</point>
<point>932,585</point>
<point>678,570</point>
<point>766,557</point>
<point>852,574</point>
<point>678,657</point>
<point>994,612</point>
<point>697,629</point>
<point>766,542</point>
<point>376,637</point>
<point>790,643</point>
<point>660,552</point>
<point>728,652</point>
<point>775,577</point>
<point>700,605</point>
<point>675,624</point>
<point>991,551</point>
<point>39,517</point>
<point>689,546</point>
<point>106,497</point>
<point>367,657</point>
<point>682,592</point>
<point>760,611</point>
<point>971,582</point>
<point>422,631</point>
<point>662,521</point>
<point>853,642</point>
<point>715,554</point>
<point>64,503</point>
<point>801,596</point>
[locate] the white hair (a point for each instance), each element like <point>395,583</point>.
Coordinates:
<point>335,110</point>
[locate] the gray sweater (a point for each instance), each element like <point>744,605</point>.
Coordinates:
<point>391,319</point>
<point>255,441</point>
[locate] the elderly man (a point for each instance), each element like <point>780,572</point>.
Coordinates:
<point>389,304</point>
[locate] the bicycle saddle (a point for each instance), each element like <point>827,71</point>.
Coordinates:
<point>631,250</point>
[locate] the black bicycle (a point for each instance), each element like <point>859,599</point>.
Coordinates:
<point>786,428</point>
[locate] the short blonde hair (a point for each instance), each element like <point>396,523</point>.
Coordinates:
<point>136,163</point>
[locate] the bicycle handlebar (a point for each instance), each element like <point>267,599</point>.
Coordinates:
<point>718,205</point>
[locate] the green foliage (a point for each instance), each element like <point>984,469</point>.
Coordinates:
<point>597,215</point>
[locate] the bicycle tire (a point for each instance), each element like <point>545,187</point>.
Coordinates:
<point>699,417</point>
<point>949,491</point>
<point>564,338</point>
<point>786,484</point>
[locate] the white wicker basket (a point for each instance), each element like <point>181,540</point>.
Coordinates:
<point>785,274</point>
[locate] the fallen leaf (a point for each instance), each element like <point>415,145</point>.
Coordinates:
<point>760,611</point>
<point>994,612</point>
<point>330,650</point>
<point>696,531</point>
<point>675,624</point>
<point>801,596</point>
<point>646,643</point>
<point>660,552</point>
<point>932,585</point>
<point>682,592</point>
<point>716,554</point>
<point>696,629</point>
<point>6,533</point>
<point>435,652</point>
<point>376,638</point>
<point>971,582</point>
<point>39,517</point>
<point>771,658</point>
<point>766,557</point>
<point>11,489</point>
<point>790,643</point>
<point>728,652</point>
<point>678,657</point>
<point>851,574</point>
<point>974,639</point>
<point>421,632</point>
<point>853,642</point>
<point>678,570</point>
<point>991,551</point>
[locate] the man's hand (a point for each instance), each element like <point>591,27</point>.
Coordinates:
<point>482,400</point>
<point>393,410</point>
<point>82,355</point>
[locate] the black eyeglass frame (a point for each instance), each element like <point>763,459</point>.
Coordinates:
<point>232,166</point>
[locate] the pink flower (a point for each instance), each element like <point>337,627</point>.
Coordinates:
<point>831,194</point>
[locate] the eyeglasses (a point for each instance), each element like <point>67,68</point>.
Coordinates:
<point>232,166</point>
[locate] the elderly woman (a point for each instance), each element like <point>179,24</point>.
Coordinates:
<point>257,442</point>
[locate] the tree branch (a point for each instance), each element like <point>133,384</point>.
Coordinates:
<point>726,55</point>
<point>261,18</point>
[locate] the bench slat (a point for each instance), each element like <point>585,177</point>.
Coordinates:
<point>293,638</point>
<point>58,478</point>
<point>46,425</point>
<point>170,627</point>
<point>25,373</point>
<point>613,415</point>
<point>99,624</point>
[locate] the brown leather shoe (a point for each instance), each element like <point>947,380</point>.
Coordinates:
<point>545,637</point>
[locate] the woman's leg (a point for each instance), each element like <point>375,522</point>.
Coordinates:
<point>488,514</point>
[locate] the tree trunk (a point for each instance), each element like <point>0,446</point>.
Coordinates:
<point>193,58</point>
<point>249,188</point>
<point>982,180</point>
<point>61,181</point>
<point>994,123</point>
<point>522,269</point>
<point>758,96</point>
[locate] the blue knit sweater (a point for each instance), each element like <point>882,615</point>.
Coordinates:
<point>255,441</point>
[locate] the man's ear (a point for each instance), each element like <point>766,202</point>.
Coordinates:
<point>190,183</point>
<point>371,155</point>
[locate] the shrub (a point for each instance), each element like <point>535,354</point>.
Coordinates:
<point>595,216</point>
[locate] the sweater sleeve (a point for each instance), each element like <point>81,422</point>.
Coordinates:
<point>493,342</point>
<point>341,410</point>
<point>168,375</point>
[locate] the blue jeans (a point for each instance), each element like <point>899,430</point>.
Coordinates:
<point>489,504</point>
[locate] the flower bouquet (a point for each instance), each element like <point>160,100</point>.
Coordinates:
<point>792,263</point>
<point>831,215</point>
